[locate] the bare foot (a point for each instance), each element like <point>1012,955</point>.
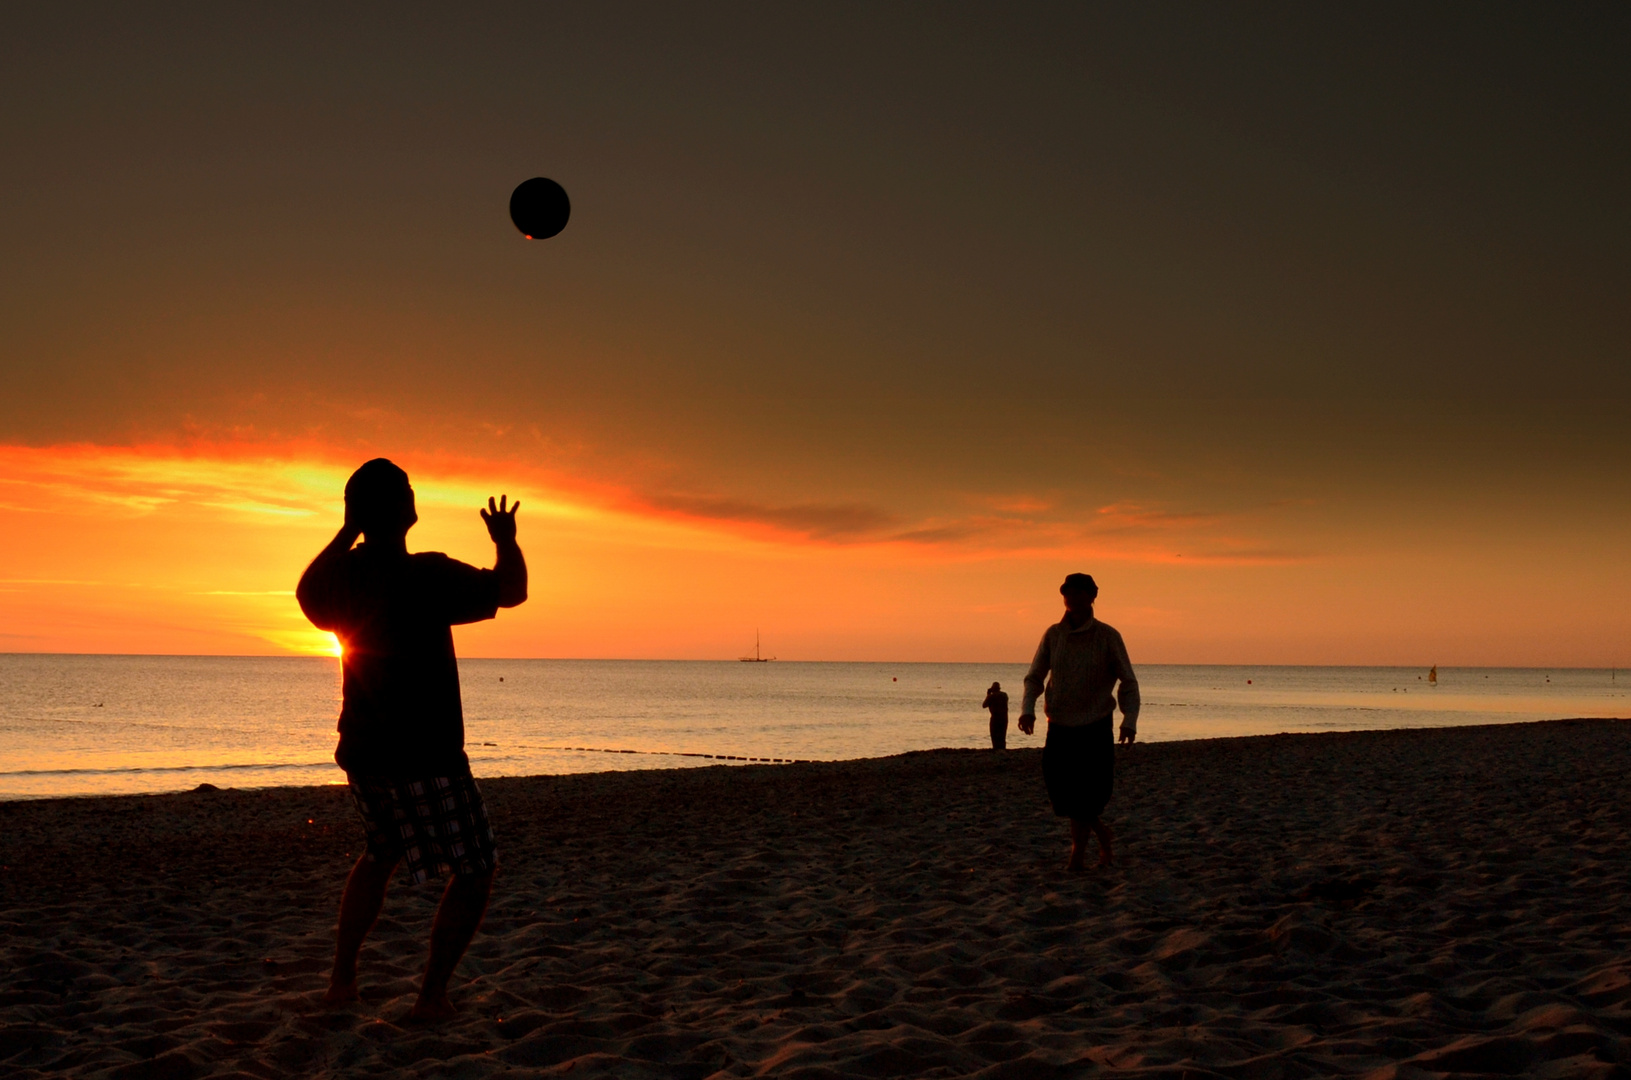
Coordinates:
<point>339,994</point>
<point>1078,861</point>
<point>427,1010</point>
<point>1107,837</point>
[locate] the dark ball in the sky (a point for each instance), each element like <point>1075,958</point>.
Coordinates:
<point>539,208</point>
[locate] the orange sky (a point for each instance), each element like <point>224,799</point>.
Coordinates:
<point>197,551</point>
<point>1307,337</point>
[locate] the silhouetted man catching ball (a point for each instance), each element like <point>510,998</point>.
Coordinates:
<point>1082,661</point>
<point>402,723</point>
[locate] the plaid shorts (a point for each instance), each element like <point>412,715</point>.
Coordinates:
<point>436,824</point>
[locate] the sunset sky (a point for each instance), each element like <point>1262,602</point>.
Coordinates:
<point>1305,329</point>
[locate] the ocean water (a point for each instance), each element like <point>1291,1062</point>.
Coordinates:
<point>90,725</point>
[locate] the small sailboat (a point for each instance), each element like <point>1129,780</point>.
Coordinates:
<point>756,658</point>
<point>1432,674</point>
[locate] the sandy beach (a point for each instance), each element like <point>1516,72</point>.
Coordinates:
<point>1404,903</point>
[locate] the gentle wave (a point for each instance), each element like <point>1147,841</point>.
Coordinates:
<point>327,764</point>
<point>663,753</point>
<point>167,769</point>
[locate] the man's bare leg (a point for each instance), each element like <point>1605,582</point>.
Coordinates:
<point>359,909</point>
<point>1106,838</point>
<point>457,920</point>
<point>1078,845</point>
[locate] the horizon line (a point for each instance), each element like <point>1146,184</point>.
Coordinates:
<point>733,660</point>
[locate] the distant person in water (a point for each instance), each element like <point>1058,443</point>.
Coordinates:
<point>1082,660</point>
<point>997,702</point>
<point>402,723</point>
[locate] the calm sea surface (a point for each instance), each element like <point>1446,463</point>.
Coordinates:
<point>79,725</point>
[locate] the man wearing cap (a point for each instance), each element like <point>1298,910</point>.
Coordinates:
<point>402,723</point>
<point>1081,661</point>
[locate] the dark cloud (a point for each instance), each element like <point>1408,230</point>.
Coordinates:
<point>839,523</point>
<point>952,533</point>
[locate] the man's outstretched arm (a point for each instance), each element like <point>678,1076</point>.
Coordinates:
<point>511,567</point>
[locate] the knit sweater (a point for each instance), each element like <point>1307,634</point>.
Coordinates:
<point>1081,668</point>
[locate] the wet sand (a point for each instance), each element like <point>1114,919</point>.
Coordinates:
<point>1406,903</point>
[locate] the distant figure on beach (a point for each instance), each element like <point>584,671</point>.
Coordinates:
<point>997,702</point>
<point>402,722</point>
<point>1081,660</point>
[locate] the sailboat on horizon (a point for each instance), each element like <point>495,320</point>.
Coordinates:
<point>756,658</point>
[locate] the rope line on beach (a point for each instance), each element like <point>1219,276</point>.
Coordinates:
<point>667,753</point>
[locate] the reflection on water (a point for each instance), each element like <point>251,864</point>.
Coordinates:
<point>117,724</point>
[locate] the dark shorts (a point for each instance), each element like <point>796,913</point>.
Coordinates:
<point>435,824</point>
<point>1079,767</point>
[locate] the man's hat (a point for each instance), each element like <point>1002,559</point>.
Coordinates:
<point>1080,583</point>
